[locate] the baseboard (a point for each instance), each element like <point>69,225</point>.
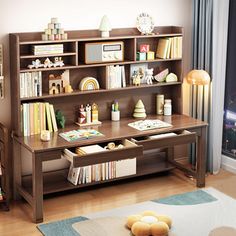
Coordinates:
<point>228,164</point>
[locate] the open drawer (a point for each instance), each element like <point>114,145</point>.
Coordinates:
<point>129,150</point>
<point>165,140</point>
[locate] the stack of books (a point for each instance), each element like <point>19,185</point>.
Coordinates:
<point>36,117</point>
<point>169,48</point>
<point>97,172</point>
<point>31,84</point>
<point>116,76</point>
<point>48,49</point>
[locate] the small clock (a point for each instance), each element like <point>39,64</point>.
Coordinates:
<point>145,23</point>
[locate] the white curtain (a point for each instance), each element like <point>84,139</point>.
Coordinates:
<point>219,54</point>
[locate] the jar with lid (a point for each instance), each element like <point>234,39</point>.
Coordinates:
<point>167,107</point>
<point>160,104</point>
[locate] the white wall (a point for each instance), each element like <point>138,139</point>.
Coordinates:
<point>29,16</point>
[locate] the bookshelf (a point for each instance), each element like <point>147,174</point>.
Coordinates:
<point>152,156</point>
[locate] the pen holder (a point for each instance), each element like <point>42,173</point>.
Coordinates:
<point>115,115</point>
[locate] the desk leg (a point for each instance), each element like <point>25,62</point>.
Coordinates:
<point>37,178</point>
<point>201,158</point>
<point>17,168</point>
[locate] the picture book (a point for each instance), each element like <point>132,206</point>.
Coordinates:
<point>143,125</point>
<point>80,134</point>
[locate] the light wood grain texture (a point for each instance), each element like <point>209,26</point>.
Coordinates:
<point>18,220</point>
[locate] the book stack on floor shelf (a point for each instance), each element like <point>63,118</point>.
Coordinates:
<point>97,172</point>
<point>36,117</point>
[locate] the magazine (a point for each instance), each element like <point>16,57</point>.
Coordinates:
<point>143,125</point>
<point>80,134</point>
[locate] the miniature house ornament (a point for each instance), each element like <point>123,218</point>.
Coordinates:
<point>105,27</point>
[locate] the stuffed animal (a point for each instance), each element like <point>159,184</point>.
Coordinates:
<point>149,76</point>
<point>149,223</point>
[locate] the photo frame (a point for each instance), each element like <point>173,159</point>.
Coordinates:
<point>138,68</point>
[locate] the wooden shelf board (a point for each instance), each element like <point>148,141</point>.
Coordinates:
<point>48,69</point>
<point>57,182</point>
<point>49,55</point>
<point>76,93</point>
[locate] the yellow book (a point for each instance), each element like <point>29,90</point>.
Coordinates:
<point>31,111</point>
<point>35,118</point>
<point>162,48</point>
<point>180,39</point>
<point>53,118</point>
<point>49,121</point>
<point>169,48</point>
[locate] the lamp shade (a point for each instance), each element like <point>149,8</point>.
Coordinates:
<point>198,77</point>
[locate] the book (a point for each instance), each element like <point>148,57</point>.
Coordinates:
<point>143,125</point>
<point>80,134</point>
<point>48,114</point>
<point>89,149</point>
<point>54,122</point>
<point>162,48</point>
<point>73,174</point>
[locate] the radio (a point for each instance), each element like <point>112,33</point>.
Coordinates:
<point>104,52</point>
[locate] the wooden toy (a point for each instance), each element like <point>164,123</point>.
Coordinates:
<point>68,89</point>
<point>54,31</point>
<point>47,63</point>
<point>36,64</point>
<point>82,115</point>
<point>139,111</point>
<point>58,62</point>
<point>88,83</point>
<point>144,48</point>
<point>88,113</point>
<point>141,56</point>
<point>136,79</point>
<point>94,112</point>
<point>150,55</point>
<point>160,77</point>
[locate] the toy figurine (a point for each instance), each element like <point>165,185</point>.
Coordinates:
<point>136,79</point>
<point>36,64</point>
<point>82,115</point>
<point>88,113</point>
<point>149,76</point>
<point>94,112</point>
<point>47,63</point>
<point>58,62</point>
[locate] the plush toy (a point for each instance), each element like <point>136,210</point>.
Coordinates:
<point>149,223</point>
<point>149,76</point>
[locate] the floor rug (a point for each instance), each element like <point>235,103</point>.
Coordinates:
<point>196,213</point>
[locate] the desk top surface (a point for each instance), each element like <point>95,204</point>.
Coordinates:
<point>112,130</point>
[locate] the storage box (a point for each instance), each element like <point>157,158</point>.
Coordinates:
<point>141,56</point>
<point>126,167</point>
<point>150,55</point>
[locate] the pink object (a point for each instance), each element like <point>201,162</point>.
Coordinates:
<point>144,48</point>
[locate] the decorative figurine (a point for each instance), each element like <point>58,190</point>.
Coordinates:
<point>94,112</point>
<point>55,84</point>
<point>88,113</point>
<point>58,62</point>
<point>149,76</point>
<point>60,119</point>
<point>139,111</point>
<point>47,63</point>
<point>136,79</point>
<point>36,64</point>
<point>68,89</point>
<point>105,27</point>
<point>82,115</point>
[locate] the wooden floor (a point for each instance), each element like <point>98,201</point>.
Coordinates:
<point>18,220</point>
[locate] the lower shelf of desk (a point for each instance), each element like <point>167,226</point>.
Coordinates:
<point>57,181</point>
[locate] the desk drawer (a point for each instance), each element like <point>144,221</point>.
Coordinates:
<point>164,140</point>
<point>129,150</point>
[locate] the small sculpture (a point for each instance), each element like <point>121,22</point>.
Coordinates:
<point>94,112</point>
<point>149,76</point>
<point>82,115</point>
<point>47,63</point>
<point>88,113</point>
<point>136,79</point>
<point>60,119</point>
<point>36,64</point>
<point>58,62</point>
<point>105,26</point>
<point>139,111</point>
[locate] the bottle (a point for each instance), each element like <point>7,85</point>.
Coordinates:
<point>159,104</point>
<point>167,107</point>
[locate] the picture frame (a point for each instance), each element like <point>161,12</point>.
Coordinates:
<point>141,68</point>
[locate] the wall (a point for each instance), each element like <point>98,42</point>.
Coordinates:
<point>29,16</point>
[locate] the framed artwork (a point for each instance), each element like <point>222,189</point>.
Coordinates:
<point>138,69</point>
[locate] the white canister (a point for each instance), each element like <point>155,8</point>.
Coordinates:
<point>160,104</point>
<point>115,115</point>
<point>167,107</point>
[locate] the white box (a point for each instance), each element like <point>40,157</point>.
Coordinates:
<point>126,167</point>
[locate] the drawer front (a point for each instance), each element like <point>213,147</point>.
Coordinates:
<point>182,137</point>
<point>49,155</point>
<point>130,150</point>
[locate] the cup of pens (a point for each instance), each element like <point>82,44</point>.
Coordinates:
<point>115,113</point>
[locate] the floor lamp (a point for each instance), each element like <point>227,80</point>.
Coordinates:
<point>198,78</point>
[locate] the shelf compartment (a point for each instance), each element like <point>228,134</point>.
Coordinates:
<point>78,92</point>
<point>181,137</point>
<point>130,150</point>
<point>48,55</point>
<point>56,181</point>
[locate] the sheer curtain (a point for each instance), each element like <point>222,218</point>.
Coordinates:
<point>209,53</point>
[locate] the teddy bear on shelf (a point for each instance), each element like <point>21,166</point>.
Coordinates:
<point>149,223</point>
<point>149,76</point>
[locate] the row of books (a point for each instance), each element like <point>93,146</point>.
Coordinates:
<point>116,76</point>
<point>31,84</point>
<point>97,172</point>
<point>36,117</point>
<point>169,48</point>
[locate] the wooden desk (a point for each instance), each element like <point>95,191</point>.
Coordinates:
<point>33,189</point>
